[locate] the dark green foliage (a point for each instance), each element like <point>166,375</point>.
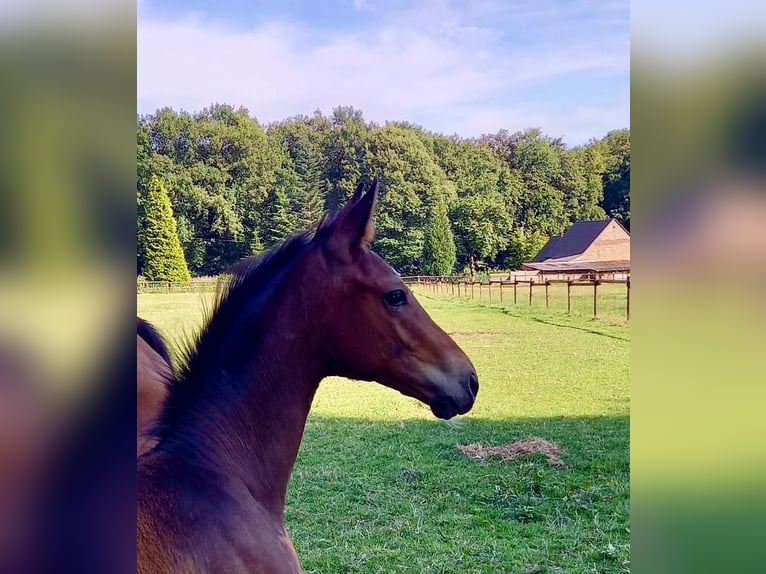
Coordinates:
<point>302,139</point>
<point>278,219</point>
<point>236,188</point>
<point>438,243</point>
<point>411,183</point>
<point>523,246</point>
<point>616,147</point>
<point>344,151</point>
<point>219,168</point>
<point>481,211</point>
<point>162,256</point>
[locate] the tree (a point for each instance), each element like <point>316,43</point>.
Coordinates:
<point>616,177</point>
<point>581,180</point>
<point>219,168</point>
<point>344,151</point>
<point>278,221</point>
<point>303,139</point>
<point>523,246</point>
<point>143,159</point>
<point>236,187</point>
<point>411,183</point>
<point>163,258</point>
<point>481,214</point>
<point>483,226</point>
<point>438,243</point>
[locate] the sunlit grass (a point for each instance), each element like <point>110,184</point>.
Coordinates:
<point>380,487</point>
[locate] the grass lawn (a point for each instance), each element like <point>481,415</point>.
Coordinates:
<point>610,302</point>
<point>380,487</point>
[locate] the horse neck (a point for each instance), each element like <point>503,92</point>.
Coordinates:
<point>254,433</point>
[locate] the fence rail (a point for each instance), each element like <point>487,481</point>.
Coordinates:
<point>503,291</point>
<point>176,286</point>
<point>463,287</point>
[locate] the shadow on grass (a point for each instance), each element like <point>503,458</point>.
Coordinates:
<point>552,323</point>
<point>384,496</point>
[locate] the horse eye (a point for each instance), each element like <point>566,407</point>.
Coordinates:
<point>396,298</point>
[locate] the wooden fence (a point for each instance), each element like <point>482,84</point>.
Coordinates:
<point>513,291</point>
<point>501,291</point>
<point>176,286</point>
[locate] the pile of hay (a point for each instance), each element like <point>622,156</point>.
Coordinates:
<point>508,452</point>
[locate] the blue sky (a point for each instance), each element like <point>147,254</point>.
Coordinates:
<point>465,67</point>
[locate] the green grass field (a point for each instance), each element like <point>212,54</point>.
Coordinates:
<point>611,300</point>
<point>380,487</point>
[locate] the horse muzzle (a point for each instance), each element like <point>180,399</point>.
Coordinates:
<point>446,406</point>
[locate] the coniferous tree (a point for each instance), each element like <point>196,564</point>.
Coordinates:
<point>163,258</point>
<point>313,206</point>
<point>256,245</point>
<point>438,243</point>
<point>279,221</point>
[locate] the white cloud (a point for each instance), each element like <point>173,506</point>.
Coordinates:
<point>576,125</point>
<point>417,66</point>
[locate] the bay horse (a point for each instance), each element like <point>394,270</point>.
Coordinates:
<point>154,371</point>
<point>211,493</point>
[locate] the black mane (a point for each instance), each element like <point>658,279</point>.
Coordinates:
<point>241,296</point>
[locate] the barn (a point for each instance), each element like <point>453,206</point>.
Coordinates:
<point>587,250</point>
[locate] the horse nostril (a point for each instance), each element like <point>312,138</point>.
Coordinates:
<point>473,384</point>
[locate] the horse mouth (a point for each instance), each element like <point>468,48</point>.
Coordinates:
<point>447,406</point>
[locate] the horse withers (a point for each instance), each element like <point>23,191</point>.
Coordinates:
<point>211,494</point>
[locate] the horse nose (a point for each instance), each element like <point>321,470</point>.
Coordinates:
<point>473,384</point>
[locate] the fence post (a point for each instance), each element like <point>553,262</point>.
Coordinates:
<point>480,286</point>
<point>489,288</point>
<point>569,296</point>
<point>168,286</point>
<point>501,291</point>
<point>546,293</point>
<point>452,288</point>
<point>515,284</point>
<point>595,297</point>
<point>627,301</point>
<point>471,289</point>
<point>530,291</point>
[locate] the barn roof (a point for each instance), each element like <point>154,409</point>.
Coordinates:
<point>573,242</point>
<point>578,266</point>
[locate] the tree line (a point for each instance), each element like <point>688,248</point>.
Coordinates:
<point>232,187</point>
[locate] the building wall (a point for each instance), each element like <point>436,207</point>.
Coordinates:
<point>613,244</point>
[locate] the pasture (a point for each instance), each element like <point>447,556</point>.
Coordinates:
<point>379,485</point>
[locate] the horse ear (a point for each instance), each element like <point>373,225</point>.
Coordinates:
<point>357,193</point>
<point>354,228</point>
